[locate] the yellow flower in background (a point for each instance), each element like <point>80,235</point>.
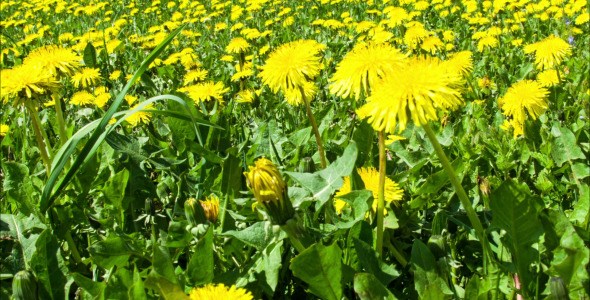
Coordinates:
<point>549,52</point>
<point>219,291</point>
<point>525,96</point>
<point>460,63</point>
<point>432,44</point>
<point>115,75</point>
<point>291,65</point>
<point>140,116</point>
<point>487,42</point>
<point>414,35</point>
<point>205,91</point>
<point>549,78</point>
<point>370,178</point>
<point>195,75</point>
<point>294,96</point>
<point>245,96</point>
<point>393,138</point>
<point>87,77</point>
<point>58,61</point>
<point>82,98</point>
<point>4,129</point>
<point>211,208</point>
<point>365,64</point>
<point>582,19</point>
<point>237,45</point>
<point>421,87</point>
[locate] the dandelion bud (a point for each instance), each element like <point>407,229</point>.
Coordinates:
<point>270,190</point>
<point>437,246</point>
<point>484,184</point>
<point>211,208</point>
<point>194,212</point>
<point>24,286</point>
<point>558,288</point>
<point>307,165</point>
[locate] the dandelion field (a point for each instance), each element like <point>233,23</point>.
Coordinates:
<point>261,149</point>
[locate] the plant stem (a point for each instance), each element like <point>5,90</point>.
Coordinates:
<point>39,138</point>
<point>73,248</point>
<point>381,197</point>
<point>459,191</point>
<point>293,237</point>
<point>314,126</point>
<point>61,124</point>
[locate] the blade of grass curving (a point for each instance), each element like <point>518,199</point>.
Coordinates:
<point>47,198</point>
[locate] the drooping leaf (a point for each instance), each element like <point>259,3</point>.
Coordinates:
<point>255,235</point>
<point>564,147</point>
<point>48,266</point>
<point>200,267</point>
<point>371,262</point>
<point>367,287</point>
<point>425,270</point>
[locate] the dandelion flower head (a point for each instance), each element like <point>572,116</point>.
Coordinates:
<point>220,291</point>
<point>87,77</point>
<point>26,81</point>
<point>525,95</point>
<point>56,60</point>
<point>237,45</point>
<point>549,52</point>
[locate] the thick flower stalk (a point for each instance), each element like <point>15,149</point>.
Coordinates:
<point>269,188</point>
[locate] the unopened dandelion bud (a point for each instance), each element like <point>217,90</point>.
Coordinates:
<point>558,288</point>
<point>437,246</point>
<point>307,165</point>
<point>24,285</point>
<point>194,212</point>
<point>270,190</point>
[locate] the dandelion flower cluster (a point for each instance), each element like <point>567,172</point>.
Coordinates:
<point>26,81</point>
<point>549,52</point>
<point>206,91</point>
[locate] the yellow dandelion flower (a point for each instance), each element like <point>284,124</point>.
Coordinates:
<point>420,88</point>
<point>460,63</point>
<point>293,96</point>
<point>582,19</point>
<point>449,36</point>
<point>140,116</point>
<point>487,42</point>
<point>525,95</point>
<point>393,138</point>
<point>82,98</point>
<point>237,45</point>
<point>414,35</point>
<point>227,58</point>
<point>115,75</point>
<point>58,61</point>
<point>340,204</point>
<point>220,291</point>
<point>26,82</point>
<point>549,52</point>
<point>432,44</point>
<point>4,129</point>
<point>245,96</point>
<point>549,78</point>
<point>362,67</point>
<point>195,75</point>
<point>397,16</point>
<point>205,91</point>
<point>87,77</point>
<point>102,99</point>
<point>291,65</point>
<point>242,74</point>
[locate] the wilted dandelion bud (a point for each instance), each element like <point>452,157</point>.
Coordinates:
<point>194,212</point>
<point>484,184</point>
<point>211,208</point>
<point>558,288</point>
<point>24,286</point>
<point>307,165</point>
<point>270,190</point>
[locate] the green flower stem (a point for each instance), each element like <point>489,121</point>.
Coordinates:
<point>35,115</point>
<point>459,190</point>
<point>381,197</point>
<point>61,124</point>
<point>293,235</point>
<point>314,125</point>
<point>39,138</point>
<point>73,247</point>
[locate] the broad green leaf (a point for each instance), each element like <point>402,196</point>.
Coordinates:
<point>93,288</point>
<point>166,289</point>
<point>271,257</point>
<point>114,189</point>
<point>324,182</point>
<point>358,202</point>
<point>321,268</point>
<point>425,270</point>
<point>433,292</point>
<point>18,187</point>
<point>20,229</point>
<point>163,264</point>
<point>439,179</point>
<point>231,180</point>
<point>178,236</point>
<point>114,251</point>
<point>581,213</point>
<point>300,137</point>
<point>363,136</point>
<point>254,236</point>
<point>48,265</point>
<point>367,287</point>
<point>137,291</point>
<point>371,262</point>
<point>514,210</point>
<point>200,267</point>
<point>90,56</point>
<point>564,147</point>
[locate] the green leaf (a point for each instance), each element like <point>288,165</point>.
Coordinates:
<point>358,201</point>
<point>163,264</point>
<point>137,291</point>
<point>200,267</point>
<point>90,56</point>
<point>300,137</point>
<point>114,188</point>
<point>371,262</point>
<point>425,270</point>
<point>363,136</point>
<point>367,287</point>
<point>114,251</point>
<point>231,180</point>
<point>47,264</point>
<point>167,289</point>
<point>439,179</point>
<point>178,236</point>
<point>321,267</point>
<point>93,288</point>
<point>254,235</point>
<point>271,257</point>
<point>324,182</point>
<point>564,147</point>
<point>514,211</point>
<point>18,187</point>
<point>581,213</point>
<point>19,228</point>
